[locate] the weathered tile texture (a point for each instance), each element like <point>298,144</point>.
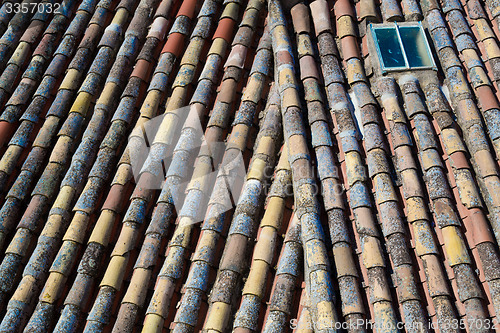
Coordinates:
<point>366,198</point>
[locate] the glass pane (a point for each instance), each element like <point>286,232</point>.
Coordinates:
<point>388,43</point>
<point>415,47</point>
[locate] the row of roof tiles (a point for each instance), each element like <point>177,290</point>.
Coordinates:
<point>78,138</point>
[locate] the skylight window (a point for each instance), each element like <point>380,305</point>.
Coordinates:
<point>402,47</point>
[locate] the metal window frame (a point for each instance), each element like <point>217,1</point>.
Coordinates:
<point>374,27</point>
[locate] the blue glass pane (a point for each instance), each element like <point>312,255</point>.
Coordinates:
<point>415,47</point>
<point>390,49</point>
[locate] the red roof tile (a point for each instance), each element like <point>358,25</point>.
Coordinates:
<point>384,209</point>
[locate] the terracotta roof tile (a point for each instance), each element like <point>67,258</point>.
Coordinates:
<point>391,11</point>
<point>317,238</point>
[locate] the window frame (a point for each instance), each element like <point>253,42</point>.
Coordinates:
<point>374,27</point>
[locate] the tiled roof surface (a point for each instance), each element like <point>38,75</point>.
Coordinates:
<point>369,200</point>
